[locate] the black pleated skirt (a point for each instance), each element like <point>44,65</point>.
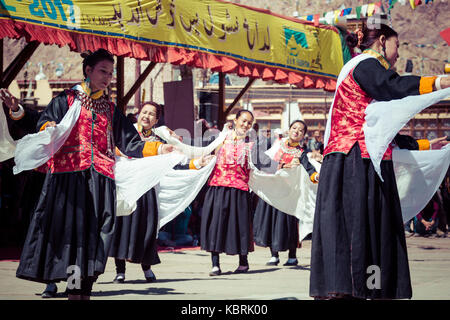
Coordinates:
<point>72,225</point>
<point>273,228</point>
<point>135,235</point>
<point>358,240</point>
<point>226,224</point>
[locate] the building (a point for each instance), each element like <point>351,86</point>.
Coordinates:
<point>274,106</point>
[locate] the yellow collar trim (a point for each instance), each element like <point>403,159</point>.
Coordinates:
<point>379,57</point>
<point>96,95</point>
<point>294,144</point>
<point>145,132</point>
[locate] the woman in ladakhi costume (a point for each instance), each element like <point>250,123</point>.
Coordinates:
<point>226,213</point>
<point>74,219</point>
<point>273,228</point>
<point>135,235</point>
<point>358,219</point>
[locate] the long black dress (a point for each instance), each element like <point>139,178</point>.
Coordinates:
<point>358,223</point>
<point>276,229</point>
<point>135,235</point>
<point>73,222</point>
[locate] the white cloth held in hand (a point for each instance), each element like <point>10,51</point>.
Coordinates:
<point>7,144</point>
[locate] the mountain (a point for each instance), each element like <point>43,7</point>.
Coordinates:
<point>415,27</point>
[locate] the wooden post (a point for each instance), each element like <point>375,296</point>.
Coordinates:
<point>137,84</point>
<point>120,83</point>
<point>137,95</point>
<point>239,96</point>
<point>17,64</point>
<point>221,112</point>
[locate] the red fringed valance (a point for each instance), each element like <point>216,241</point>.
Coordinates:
<point>80,42</point>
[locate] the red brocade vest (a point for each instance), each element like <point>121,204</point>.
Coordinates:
<point>86,145</point>
<point>287,153</point>
<point>347,119</point>
<point>232,169</point>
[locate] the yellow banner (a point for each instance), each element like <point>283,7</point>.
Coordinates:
<point>220,28</point>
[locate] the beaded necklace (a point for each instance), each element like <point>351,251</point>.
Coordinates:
<point>100,105</point>
<point>295,151</point>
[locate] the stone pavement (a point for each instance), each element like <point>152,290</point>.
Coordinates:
<point>183,275</point>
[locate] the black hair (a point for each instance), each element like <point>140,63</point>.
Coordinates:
<point>370,36</point>
<point>238,114</point>
<point>92,58</point>
<point>300,121</point>
<point>157,107</point>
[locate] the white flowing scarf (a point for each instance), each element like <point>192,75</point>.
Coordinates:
<point>176,189</point>
<point>133,177</point>
<point>7,144</point>
<point>418,175</point>
<point>190,151</point>
<point>384,119</point>
<point>289,190</point>
<point>35,149</point>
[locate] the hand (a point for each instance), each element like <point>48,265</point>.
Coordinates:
<point>426,224</point>
<point>229,125</point>
<point>438,143</point>
<point>317,156</point>
<point>317,177</point>
<point>204,160</point>
<point>290,165</point>
<point>173,134</point>
<point>50,124</point>
<point>166,148</point>
<point>445,82</point>
<point>9,100</point>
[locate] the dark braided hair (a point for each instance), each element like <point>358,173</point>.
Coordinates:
<point>92,58</point>
<point>370,36</point>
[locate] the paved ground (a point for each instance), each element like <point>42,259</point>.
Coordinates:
<point>183,275</point>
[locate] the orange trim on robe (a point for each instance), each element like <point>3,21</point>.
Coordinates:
<point>151,148</point>
<point>426,84</point>
<point>44,126</point>
<point>313,177</point>
<point>192,165</point>
<point>424,144</point>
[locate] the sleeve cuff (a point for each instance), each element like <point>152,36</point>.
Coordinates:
<point>17,115</point>
<point>426,84</point>
<point>44,126</point>
<point>313,177</point>
<point>424,144</point>
<point>194,164</point>
<point>151,148</point>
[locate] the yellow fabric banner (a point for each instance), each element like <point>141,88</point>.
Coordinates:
<point>212,26</point>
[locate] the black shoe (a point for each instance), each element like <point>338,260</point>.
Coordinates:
<point>149,276</point>
<point>120,278</point>
<point>291,263</point>
<point>50,291</point>
<point>242,270</point>
<point>216,272</point>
